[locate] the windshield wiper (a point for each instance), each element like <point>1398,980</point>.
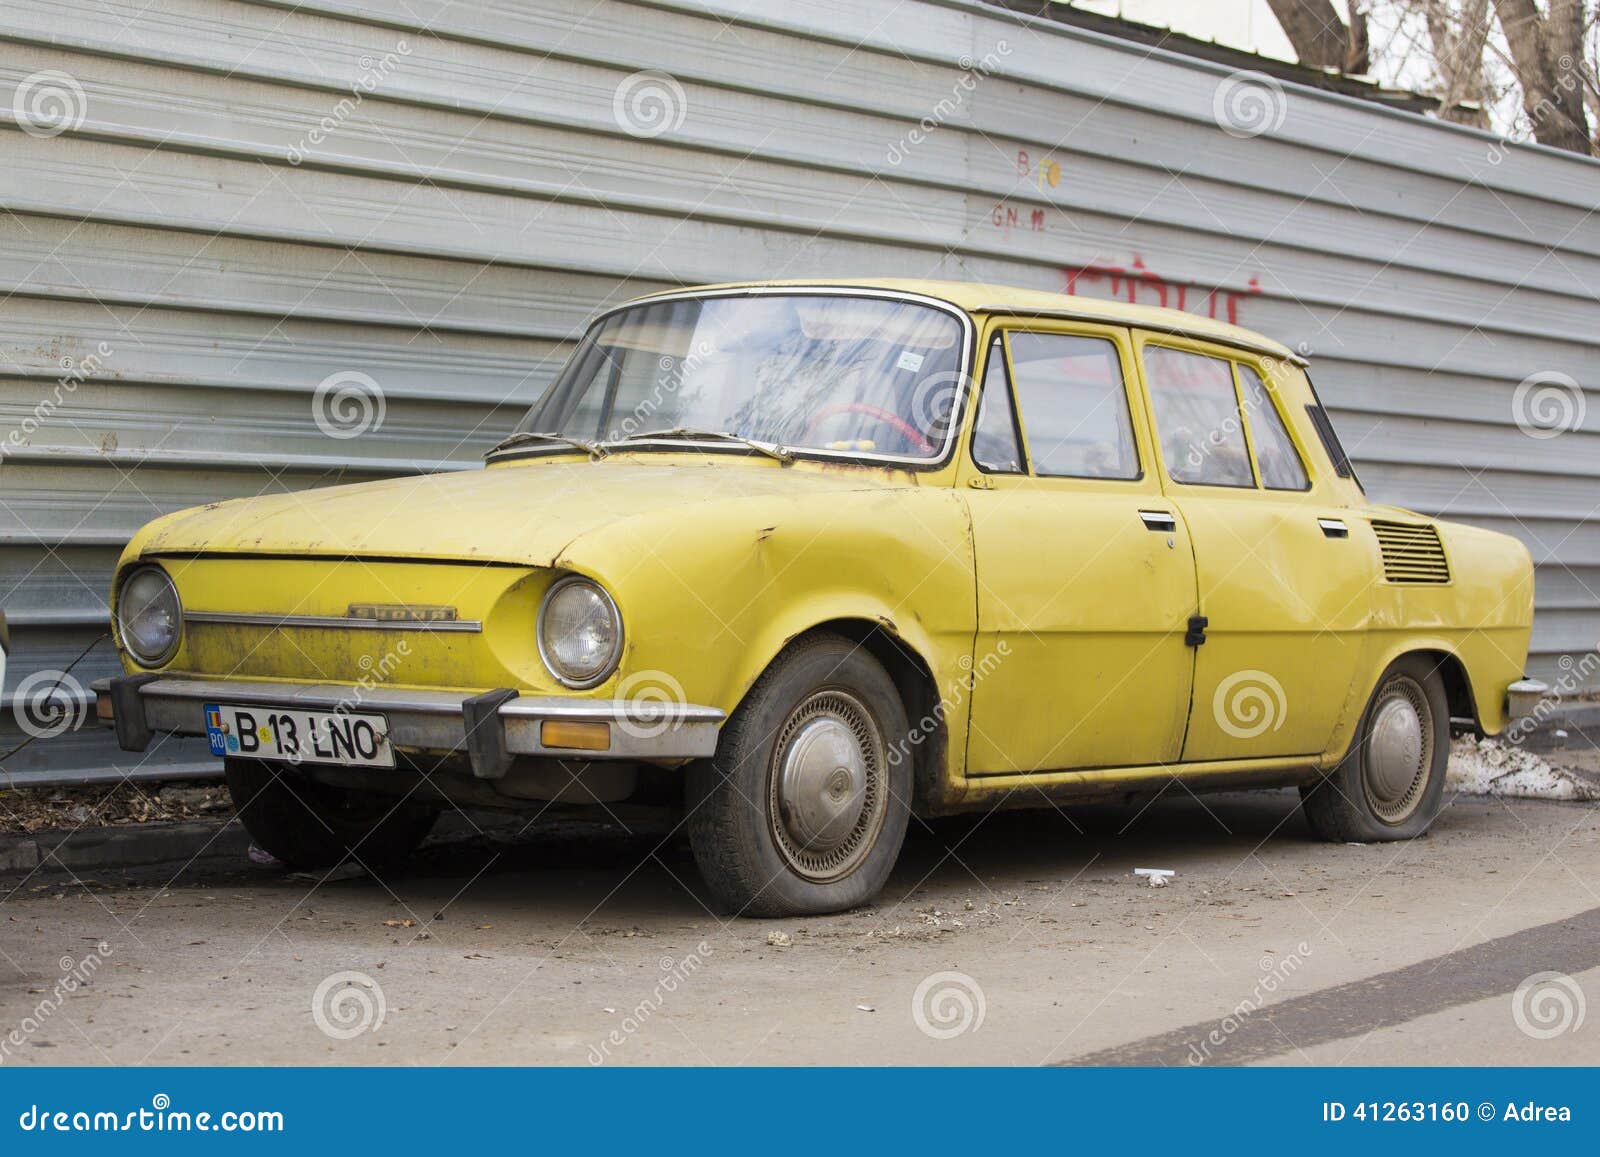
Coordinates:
<point>690,433</point>
<point>524,437</point>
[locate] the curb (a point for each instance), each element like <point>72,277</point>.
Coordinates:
<point>140,846</point>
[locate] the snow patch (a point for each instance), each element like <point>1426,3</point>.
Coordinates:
<point>1489,767</point>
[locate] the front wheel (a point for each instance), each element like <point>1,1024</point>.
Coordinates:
<point>804,806</point>
<point>313,825</point>
<point>1390,785</point>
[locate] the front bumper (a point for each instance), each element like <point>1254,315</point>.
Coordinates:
<point>491,729</point>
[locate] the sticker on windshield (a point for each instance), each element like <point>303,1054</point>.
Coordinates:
<point>909,362</point>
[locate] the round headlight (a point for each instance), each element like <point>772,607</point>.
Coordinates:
<point>149,617</point>
<point>580,632</point>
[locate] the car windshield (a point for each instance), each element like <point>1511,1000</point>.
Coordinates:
<point>862,376</point>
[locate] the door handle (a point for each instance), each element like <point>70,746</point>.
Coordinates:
<point>1334,527</point>
<point>1158,520</point>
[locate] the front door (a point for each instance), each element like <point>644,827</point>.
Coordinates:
<point>1282,583</point>
<point>1085,574</point>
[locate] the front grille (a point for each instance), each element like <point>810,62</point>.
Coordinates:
<point>1412,552</point>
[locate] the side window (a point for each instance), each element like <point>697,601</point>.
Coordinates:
<point>1330,439</point>
<point>994,439</point>
<point>1278,460</point>
<point>1197,418</point>
<point>1074,406</point>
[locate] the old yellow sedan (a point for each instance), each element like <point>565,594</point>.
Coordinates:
<point>804,560</point>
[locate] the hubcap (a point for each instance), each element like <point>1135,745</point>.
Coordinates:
<point>827,794</point>
<point>1399,751</point>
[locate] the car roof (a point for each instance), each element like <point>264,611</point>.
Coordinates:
<point>978,297</point>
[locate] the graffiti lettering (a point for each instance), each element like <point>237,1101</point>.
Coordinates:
<point>1137,284</point>
<point>1008,217</point>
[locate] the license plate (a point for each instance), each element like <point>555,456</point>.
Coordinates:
<point>299,736</point>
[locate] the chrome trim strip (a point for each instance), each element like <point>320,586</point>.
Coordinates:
<point>1272,350</point>
<point>335,622</point>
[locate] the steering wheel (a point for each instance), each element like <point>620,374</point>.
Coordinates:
<point>899,424</point>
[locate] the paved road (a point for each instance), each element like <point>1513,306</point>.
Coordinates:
<point>580,946</point>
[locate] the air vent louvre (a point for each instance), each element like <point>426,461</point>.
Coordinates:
<point>1412,553</point>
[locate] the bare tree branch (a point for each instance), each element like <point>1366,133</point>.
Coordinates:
<point>1547,55</point>
<point>1459,41</point>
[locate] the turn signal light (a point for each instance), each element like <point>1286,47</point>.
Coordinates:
<point>575,736</point>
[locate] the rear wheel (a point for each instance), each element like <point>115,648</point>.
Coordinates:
<point>804,807</point>
<point>312,825</point>
<point>1390,785</point>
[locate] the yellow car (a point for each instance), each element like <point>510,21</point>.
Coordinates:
<point>806,559</point>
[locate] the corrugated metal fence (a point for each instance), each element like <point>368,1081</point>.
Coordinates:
<point>208,207</point>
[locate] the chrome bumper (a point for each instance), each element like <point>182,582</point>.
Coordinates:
<point>492,728</point>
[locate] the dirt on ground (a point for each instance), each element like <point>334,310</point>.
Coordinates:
<point>1013,938</point>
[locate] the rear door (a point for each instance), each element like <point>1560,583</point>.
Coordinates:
<point>1283,585</point>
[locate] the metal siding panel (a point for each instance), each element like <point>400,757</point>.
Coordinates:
<point>452,232</point>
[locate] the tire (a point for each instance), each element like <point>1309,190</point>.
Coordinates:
<point>1390,784</point>
<point>804,807</point>
<point>311,825</point>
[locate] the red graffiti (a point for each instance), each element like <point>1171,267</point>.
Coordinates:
<point>1007,217</point>
<point>1129,282</point>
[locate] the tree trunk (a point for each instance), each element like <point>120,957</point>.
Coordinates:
<point>1547,56</point>
<point>1458,42</point>
<point>1322,40</point>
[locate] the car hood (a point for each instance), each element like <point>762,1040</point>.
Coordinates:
<point>523,513</point>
